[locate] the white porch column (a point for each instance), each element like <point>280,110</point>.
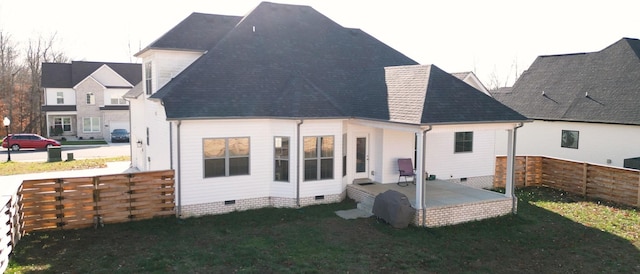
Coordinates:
<point>419,168</point>
<point>511,151</point>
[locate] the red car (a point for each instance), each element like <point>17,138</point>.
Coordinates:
<point>28,140</point>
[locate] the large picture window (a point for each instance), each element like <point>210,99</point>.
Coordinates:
<point>226,156</point>
<point>570,139</point>
<point>281,159</point>
<point>318,158</point>
<point>464,141</point>
<point>91,124</point>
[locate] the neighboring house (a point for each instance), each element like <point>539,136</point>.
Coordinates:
<point>84,99</point>
<point>585,105</point>
<point>470,78</point>
<point>284,107</point>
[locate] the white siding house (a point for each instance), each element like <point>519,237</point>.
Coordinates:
<point>254,117</point>
<point>584,105</point>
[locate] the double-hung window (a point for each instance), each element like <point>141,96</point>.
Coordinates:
<point>464,141</point>
<point>62,124</point>
<point>60,98</point>
<point>117,100</point>
<point>281,159</point>
<point>148,78</point>
<point>91,124</point>
<point>91,98</point>
<point>318,158</point>
<point>226,156</point>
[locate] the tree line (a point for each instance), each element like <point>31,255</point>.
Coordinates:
<point>21,95</point>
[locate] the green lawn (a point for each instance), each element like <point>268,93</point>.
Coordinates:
<point>12,168</point>
<point>553,233</point>
<point>83,142</point>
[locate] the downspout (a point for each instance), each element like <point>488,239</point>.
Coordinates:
<point>424,180</point>
<point>298,163</point>
<point>179,178</point>
<point>514,199</point>
<point>170,145</point>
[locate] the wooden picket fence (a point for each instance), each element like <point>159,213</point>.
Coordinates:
<point>72,203</point>
<point>620,185</point>
<point>8,229</point>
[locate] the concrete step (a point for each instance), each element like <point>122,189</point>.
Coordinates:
<point>366,204</point>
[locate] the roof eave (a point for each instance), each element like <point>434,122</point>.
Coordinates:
<point>171,49</point>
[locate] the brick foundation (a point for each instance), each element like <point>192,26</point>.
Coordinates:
<point>462,213</point>
<point>223,207</point>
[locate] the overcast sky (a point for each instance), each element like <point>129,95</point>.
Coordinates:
<point>464,35</point>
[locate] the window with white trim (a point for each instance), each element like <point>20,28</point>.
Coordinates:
<point>148,78</point>
<point>570,139</point>
<point>318,158</point>
<point>91,98</point>
<point>62,124</point>
<point>60,98</point>
<point>117,100</point>
<point>226,156</point>
<point>281,159</point>
<point>91,124</point>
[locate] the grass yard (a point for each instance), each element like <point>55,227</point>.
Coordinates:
<point>553,233</point>
<point>12,168</point>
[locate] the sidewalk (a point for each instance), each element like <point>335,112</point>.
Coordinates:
<point>9,184</point>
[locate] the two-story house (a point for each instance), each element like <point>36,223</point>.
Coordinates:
<point>84,99</point>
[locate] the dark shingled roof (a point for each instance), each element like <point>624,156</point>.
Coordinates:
<point>65,75</point>
<point>290,61</point>
<point>198,32</point>
<point>602,87</point>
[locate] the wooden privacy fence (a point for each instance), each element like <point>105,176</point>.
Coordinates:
<point>614,184</point>
<point>71,203</point>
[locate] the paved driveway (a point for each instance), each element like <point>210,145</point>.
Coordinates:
<point>79,152</point>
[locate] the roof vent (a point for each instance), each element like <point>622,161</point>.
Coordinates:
<point>543,93</point>
<point>586,94</point>
<point>254,28</point>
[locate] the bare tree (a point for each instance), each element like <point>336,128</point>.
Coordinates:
<point>8,71</point>
<point>38,51</point>
<point>496,81</point>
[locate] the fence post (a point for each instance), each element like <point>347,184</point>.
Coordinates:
<point>585,169</point>
<point>638,204</point>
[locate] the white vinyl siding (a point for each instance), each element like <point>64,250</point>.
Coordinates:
<point>603,144</point>
<point>259,183</point>
<point>51,96</point>
<point>442,161</point>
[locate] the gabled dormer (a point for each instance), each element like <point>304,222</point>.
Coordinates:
<point>168,56</point>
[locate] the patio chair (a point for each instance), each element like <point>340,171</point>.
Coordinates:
<point>405,167</point>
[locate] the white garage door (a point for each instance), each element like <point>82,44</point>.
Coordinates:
<point>118,124</point>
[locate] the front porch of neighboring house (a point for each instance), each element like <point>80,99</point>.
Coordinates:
<point>446,203</point>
